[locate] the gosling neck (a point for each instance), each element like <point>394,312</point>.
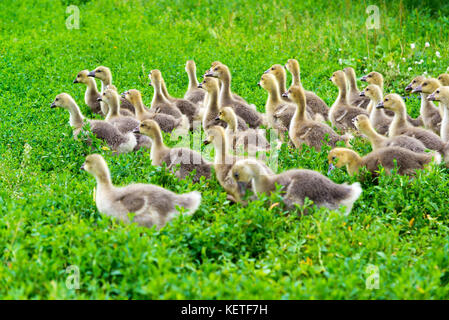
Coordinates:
<point>193,81</point>
<point>76,117</point>
<point>352,84</point>
<point>225,91</point>
<point>104,182</point>
<point>114,108</point>
<point>139,106</point>
<point>296,76</point>
<point>372,110</point>
<point>221,150</point>
<point>445,122</point>
<point>232,124</point>
<point>274,96</point>
<point>261,181</point>
<point>354,163</point>
<point>342,94</point>
<point>300,112</point>
<point>212,101</point>
<point>158,96</point>
<point>375,138</point>
<point>91,89</point>
<point>106,82</point>
<point>165,91</point>
<point>399,122</point>
<point>282,78</point>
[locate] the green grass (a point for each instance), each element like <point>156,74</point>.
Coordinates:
<point>49,220</point>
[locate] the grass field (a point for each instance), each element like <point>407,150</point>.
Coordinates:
<point>49,220</point>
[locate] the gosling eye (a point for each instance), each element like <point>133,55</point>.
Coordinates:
<point>236,175</point>
<point>334,157</point>
<point>57,99</point>
<point>369,76</point>
<point>438,91</point>
<point>386,99</point>
<point>216,69</point>
<point>414,81</point>
<point>367,89</point>
<point>272,68</point>
<point>98,71</point>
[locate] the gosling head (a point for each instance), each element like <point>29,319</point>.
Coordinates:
<point>267,81</point>
<point>373,78</point>
<point>82,77</point>
<point>414,83</point>
<point>338,78</point>
<point>149,128</point>
<point>190,66</point>
<point>215,134</point>
<point>62,100</point>
<point>243,175</point>
<point>209,84</point>
<point>102,73</point>
<point>392,102</point>
<point>292,65</point>
<point>108,96</point>
<point>362,122</point>
<point>277,70</point>
<point>217,71</point>
<point>427,86</point>
<point>295,93</point>
<point>440,94</point>
<point>132,96</point>
<point>155,76</point>
<point>444,79</point>
<point>372,91</point>
<point>226,114</point>
<point>95,165</point>
<point>338,157</point>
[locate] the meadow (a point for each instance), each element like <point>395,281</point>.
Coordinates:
<point>49,222</point>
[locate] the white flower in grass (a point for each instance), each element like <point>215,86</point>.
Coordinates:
<point>403,59</point>
<point>412,46</point>
<point>365,71</point>
<point>365,58</point>
<point>410,68</point>
<point>339,49</point>
<point>425,73</point>
<point>427,44</point>
<point>434,61</point>
<point>438,54</point>
<point>340,61</point>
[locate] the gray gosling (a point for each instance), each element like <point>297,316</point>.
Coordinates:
<point>210,85</point>
<point>342,113</point>
<point>380,121</point>
<point>303,130</point>
<point>430,114</point>
<point>105,76</point>
<point>116,140</point>
<point>407,161</point>
<point>193,93</point>
<point>92,94</point>
<point>187,159</point>
<point>243,110</point>
<point>314,102</point>
<point>151,205</point>
<point>166,122</point>
<point>251,140</point>
<point>297,184</point>
<point>378,141</point>
<point>354,97</point>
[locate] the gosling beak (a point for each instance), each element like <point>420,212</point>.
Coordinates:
<point>82,167</point>
<point>150,84</point>
<point>200,85</point>
<point>53,105</point>
<point>208,74</point>
<point>123,94</point>
<point>363,78</point>
<point>136,130</point>
<point>331,167</point>
<point>285,94</point>
<point>206,142</point>
<point>217,118</point>
<point>285,66</point>
<point>431,97</point>
<point>380,105</point>
<point>418,89</point>
<point>266,71</point>
<point>75,81</point>
<point>362,94</point>
<point>242,187</point>
<point>91,74</point>
<point>330,79</point>
<point>408,88</point>
<point>258,83</point>
<point>99,99</point>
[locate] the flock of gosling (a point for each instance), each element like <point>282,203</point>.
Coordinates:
<point>232,125</point>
